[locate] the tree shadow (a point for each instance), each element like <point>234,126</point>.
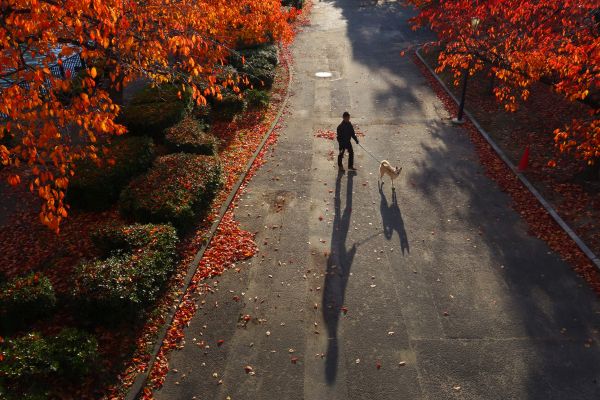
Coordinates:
<point>391,218</point>
<point>337,274</point>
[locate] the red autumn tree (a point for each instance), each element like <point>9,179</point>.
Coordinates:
<point>42,130</point>
<point>556,42</point>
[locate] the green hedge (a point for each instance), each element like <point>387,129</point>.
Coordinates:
<point>96,187</point>
<point>177,189</point>
<point>154,109</point>
<point>136,263</point>
<point>230,105</point>
<point>32,358</point>
<point>293,3</point>
<point>259,65</point>
<point>190,136</point>
<point>25,299</point>
<point>257,98</point>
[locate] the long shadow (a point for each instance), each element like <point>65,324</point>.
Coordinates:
<point>510,285</point>
<point>338,270</point>
<point>391,218</point>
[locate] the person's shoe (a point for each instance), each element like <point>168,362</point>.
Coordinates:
<point>341,168</point>
<point>351,169</point>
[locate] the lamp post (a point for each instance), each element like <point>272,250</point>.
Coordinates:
<point>461,107</point>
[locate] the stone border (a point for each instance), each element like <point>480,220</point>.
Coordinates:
<point>580,243</point>
<point>139,383</point>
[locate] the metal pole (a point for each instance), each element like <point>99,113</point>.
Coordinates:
<point>461,106</point>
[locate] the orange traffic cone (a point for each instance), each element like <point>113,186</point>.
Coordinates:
<point>524,160</point>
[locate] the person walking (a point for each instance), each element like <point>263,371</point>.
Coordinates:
<point>345,132</point>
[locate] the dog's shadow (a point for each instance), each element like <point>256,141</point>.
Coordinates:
<point>391,217</point>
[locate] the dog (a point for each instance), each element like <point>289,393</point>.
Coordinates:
<point>385,168</point>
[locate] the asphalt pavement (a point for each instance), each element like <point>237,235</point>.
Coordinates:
<point>432,291</point>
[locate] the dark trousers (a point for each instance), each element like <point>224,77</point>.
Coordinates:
<point>343,148</point>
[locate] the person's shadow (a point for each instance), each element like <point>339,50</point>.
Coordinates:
<point>338,270</point>
<point>392,220</point>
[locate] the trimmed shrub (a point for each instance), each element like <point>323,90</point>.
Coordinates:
<point>257,98</point>
<point>230,105</point>
<point>75,352</point>
<point>154,109</point>
<point>293,3</point>
<point>190,136</point>
<point>203,114</point>
<point>70,354</point>
<point>25,299</point>
<point>137,262</point>
<point>259,65</point>
<point>97,187</point>
<point>177,189</point>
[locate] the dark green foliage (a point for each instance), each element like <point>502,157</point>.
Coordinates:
<point>231,105</point>
<point>293,3</point>
<point>136,263</point>
<point>203,113</point>
<point>75,352</point>
<point>28,359</point>
<point>268,52</point>
<point>25,299</point>
<point>96,187</point>
<point>189,136</point>
<point>177,189</point>
<point>259,65</point>
<point>257,98</point>
<point>154,109</point>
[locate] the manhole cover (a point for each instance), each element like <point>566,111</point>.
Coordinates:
<point>323,74</point>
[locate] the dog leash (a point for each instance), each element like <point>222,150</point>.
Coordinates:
<point>369,153</point>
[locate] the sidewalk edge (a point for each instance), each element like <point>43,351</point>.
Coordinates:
<point>580,243</point>
<point>140,381</point>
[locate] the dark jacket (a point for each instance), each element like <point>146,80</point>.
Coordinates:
<point>345,132</point>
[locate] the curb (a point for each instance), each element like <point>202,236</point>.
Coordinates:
<point>139,383</point>
<point>580,243</point>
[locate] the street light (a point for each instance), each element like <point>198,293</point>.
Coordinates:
<point>459,118</point>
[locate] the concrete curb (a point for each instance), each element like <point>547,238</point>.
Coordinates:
<point>140,381</point>
<point>586,250</point>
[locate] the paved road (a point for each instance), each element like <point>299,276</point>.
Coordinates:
<point>440,274</point>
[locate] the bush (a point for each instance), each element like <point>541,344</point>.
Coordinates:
<point>25,299</point>
<point>189,136</point>
<point>154,109</point>
<point>268,52</point>
<point>137,262</point>
<point>259,65</point>
<point>293,3</point>
<point>257,98</point>
<point>96,187</point>
<point>177,189</point>
<point>229,106</point>
<point>259,69</point>
<point>27,359</point>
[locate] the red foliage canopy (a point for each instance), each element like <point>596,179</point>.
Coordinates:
<point>524,41</point>
<point>43,130</point>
